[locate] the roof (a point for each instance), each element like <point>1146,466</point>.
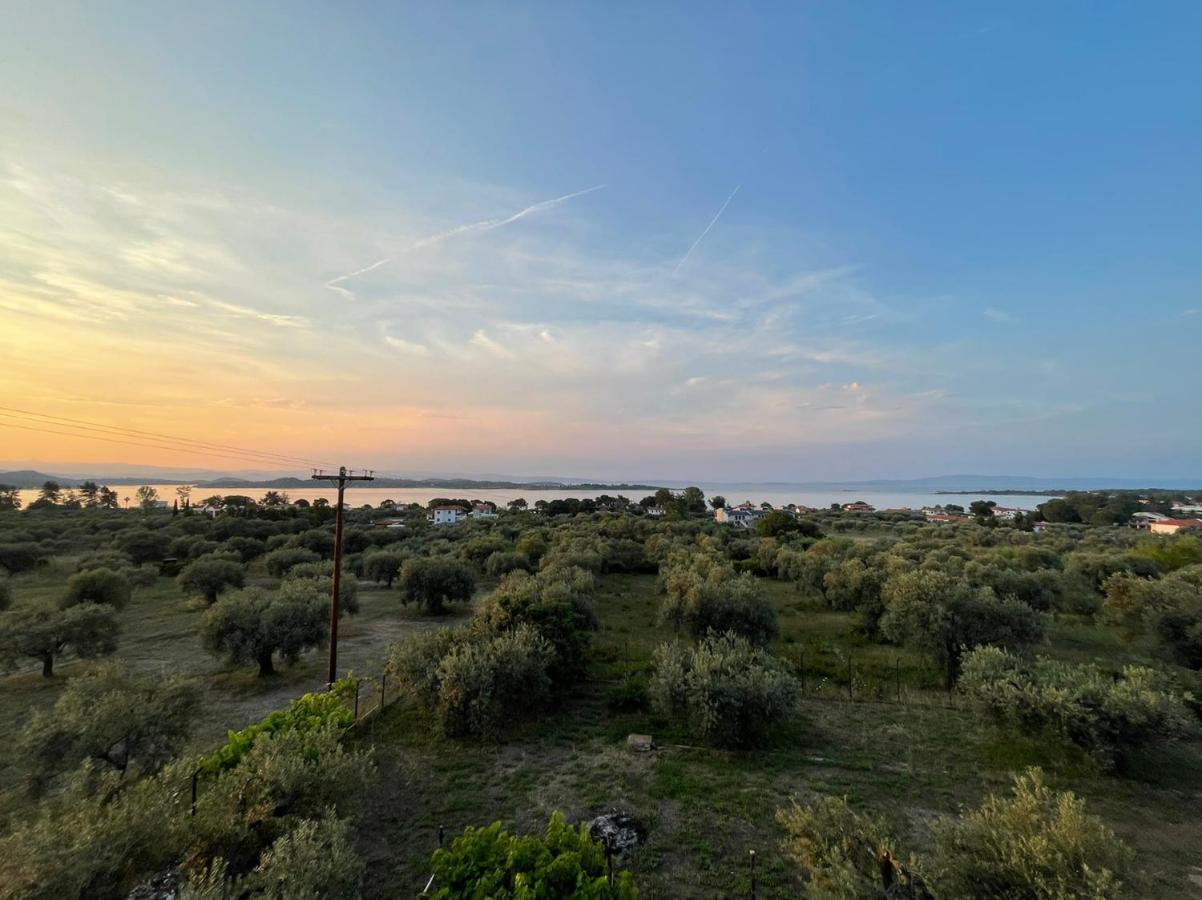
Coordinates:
<point>1182,523</point>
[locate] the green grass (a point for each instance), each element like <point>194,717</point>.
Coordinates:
<point>706,809</point>
<point>907,759</point>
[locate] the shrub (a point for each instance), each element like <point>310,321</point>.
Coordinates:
<point>557,602</point>
<point>838,850</point>
<point>310,712</point>
<point>143,546</point>
<point>104,559</point>
<point>97,586</point>
<point>85,840</point>
<point>282,780</point>
<point>247,548</point>
<point>251,625</point>
<point>503,562</point>
<point>1036,843</point>
<point>115,719</point>
<point>706,596</point>
<point>20,557</point>
<point>485,683</point>
<point>209,577</point>
<point>316,859</point>
<point>1106,717</point>
<point>432,582</point>
<point>724,690</point>
<point>279,562</point>
<point>383,566</point>
<point>629,695</point>
<point>490,862</point>
<point>1169,608</point>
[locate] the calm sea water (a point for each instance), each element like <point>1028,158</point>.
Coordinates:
<point>357,496</point>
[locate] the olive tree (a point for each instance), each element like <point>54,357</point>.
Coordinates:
<point>115,718</point>
<point>97,586</point>
<point>383,566</point>
<point>278,562</point>
<point>943,616</point>
<point>209,576</point>
<point>253,625</point>
<point>432,582</point>
<point>44,633</point>
<point>724,690</point>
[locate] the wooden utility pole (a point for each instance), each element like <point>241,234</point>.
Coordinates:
<point>344,475</point>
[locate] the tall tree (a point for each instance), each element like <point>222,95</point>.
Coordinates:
<point>252,626</point>
<point>49,492</point>
<point>90,492</point>
<point>10,497</point>
<point>147,496</point>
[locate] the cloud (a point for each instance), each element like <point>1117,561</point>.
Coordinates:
<point>701,237</point>
<point>407,346</point>
<point>484,225</point>
<point>1189,313</point>
<point>996,315</point>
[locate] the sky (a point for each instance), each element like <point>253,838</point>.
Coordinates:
<point>619,240</point>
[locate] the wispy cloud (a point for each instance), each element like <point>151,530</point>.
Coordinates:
<point>1189,313</point>
<point>701,237</point>
<point>335,284</point>
<point>996,315</point>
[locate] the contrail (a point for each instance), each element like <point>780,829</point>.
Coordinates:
<point>712,223</point>
<point>484,225</point>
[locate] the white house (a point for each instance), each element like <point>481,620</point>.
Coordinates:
<point>1142,521</point>
<point>1172,526</point>
<point>744,515</point>
<point>483,511</point>
<point>1006,513</point>
<point>446,515</point>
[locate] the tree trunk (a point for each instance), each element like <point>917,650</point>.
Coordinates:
<point>48,665</point>
<point>265,666</point>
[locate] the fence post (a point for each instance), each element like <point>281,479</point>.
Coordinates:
<point>195,779</point>
<point>383,685</point>
<point>356,700</point>
<point>850,694</point>
<point>897,675</point>
<point>442,832</point>
<point>753,886</point>
<point>609,860</point>
<point>802,666</point>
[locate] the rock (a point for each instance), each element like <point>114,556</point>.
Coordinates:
<point>640,743</point>
<point>161,886</point>
<point>618,830</point>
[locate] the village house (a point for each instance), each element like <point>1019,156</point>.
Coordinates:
<point>484,510</point>
<point>744,515</point>
<point>1006,513</point>
<point>446,515</point>
<point>1142,521</point>
<point>1172,526</point>
<point>858,506</point>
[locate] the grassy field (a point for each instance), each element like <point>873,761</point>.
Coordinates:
<point>160,634</point>
<point>896,744</point>
<point>706,809</point>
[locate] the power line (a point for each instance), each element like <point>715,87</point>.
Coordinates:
<point>118,429</point>
<point>113,440</point>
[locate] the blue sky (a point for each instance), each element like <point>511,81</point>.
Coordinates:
<point>953,237</point>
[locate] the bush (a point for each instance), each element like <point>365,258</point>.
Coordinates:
<point>838,850</point>
<point>383,566</point>
<point>1169,608</point>
<point>210,576</point>
<point>143,546</point>
<point>113,718</point>
<point>483,684</point>
<point>1106,717</point>
<point>19,557</point>
<point>279,562</point>
<point>705,595</point>
<point>1036,843</point>
<point>490,862</point>
<point>310,712</point>
<point>316,859</point>
<point>724,690</point>
<point>503,562</point>
<point>432,582</point>
<point>282,780</point>
<point>557,602</point>
<point>247,548</point>
<point>629,695</point>
<point>85,840</point>
<point>97,586</point>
